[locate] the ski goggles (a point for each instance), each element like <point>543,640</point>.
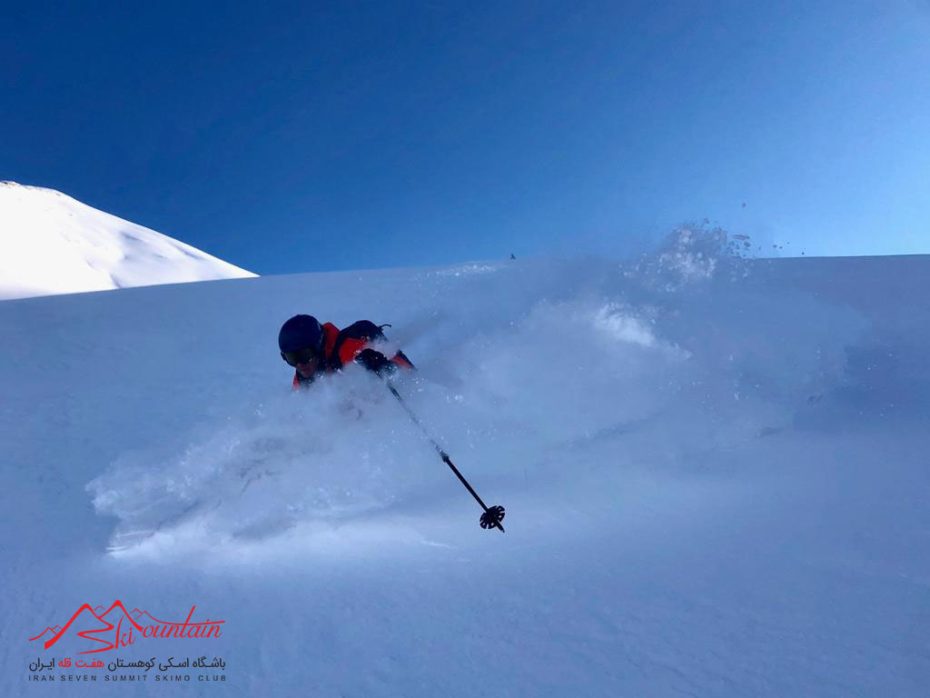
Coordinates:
<point>301,356</point>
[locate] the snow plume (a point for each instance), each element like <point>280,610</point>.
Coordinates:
<point>534,373</point>
<point>289,461</point>
<point>690,254</point>
<point>344,451</point>
<point>568,369</point>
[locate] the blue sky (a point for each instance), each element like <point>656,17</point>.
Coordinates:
<point>302,137</point>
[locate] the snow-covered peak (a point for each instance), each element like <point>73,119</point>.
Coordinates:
<point>51,243</point>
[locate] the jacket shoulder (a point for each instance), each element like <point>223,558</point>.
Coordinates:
<point>354,338</point>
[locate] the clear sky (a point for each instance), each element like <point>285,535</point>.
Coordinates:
<point>287,137</point>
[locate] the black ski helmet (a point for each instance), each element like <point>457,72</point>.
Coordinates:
<point>301,332</point>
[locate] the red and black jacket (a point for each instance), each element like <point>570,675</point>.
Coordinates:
<point>340,347</point>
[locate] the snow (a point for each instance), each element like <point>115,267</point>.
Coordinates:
<point>714,470</point>
<point>51,243</point>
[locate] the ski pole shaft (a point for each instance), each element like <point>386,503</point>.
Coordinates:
<point>490,512</point>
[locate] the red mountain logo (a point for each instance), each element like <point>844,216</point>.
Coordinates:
<point>51,629</point>
<point>115,627</point>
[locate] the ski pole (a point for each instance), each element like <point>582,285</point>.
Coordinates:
<point>492,516</point>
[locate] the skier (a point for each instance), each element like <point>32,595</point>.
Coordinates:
<point>312,348</point>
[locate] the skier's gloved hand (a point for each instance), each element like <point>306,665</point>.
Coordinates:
<point>375,361</point>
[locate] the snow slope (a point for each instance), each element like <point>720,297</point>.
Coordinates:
<point>714,469</point>
<point>51,244</point>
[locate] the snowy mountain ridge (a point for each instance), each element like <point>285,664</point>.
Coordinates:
<point>51,243</point>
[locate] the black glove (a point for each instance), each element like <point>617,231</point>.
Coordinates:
<point>375,361</point>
